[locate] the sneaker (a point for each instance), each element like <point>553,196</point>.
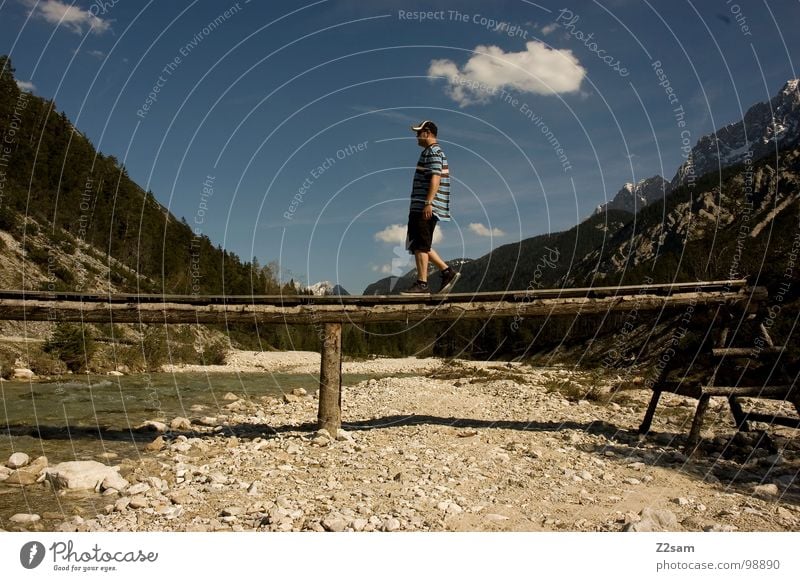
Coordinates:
<point>449,278</point>
<point>418,288</point>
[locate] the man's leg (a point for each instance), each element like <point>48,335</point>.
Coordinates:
<point>437,260</point>
<point>421,259</point>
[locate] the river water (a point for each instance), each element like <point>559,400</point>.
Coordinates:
<point>82,417</point>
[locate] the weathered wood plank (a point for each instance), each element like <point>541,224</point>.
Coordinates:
<point>293,300</point>
<point>752,352</point>
<point>39,309</point>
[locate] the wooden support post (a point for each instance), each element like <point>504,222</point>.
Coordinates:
<point>651,410</point>
<point>697,423</point>
<point>329,416</point>
<point>738,414</point>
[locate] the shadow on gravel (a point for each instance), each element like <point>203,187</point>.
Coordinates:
<point>415,420</point>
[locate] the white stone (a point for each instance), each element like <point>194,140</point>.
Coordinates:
<point>18,460</point>
<point>233,511</point>
<point>22,518</point>
<point>180,423</point>
<point>453,508</point>
<point>115,373</point>
<point>139,488</point>
<point>22,373</point>
<point>115,481</point>
<point>139,502</point>
<point>171,512</point>
<point>80,474</point>
<point>152,425</point>
<point>766,490</point>
<point>334,523</point>
<point>391,524</point>
<point>343,435</point>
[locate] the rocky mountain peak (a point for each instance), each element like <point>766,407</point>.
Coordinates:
<point>633,197</point>
<point>766,126</point>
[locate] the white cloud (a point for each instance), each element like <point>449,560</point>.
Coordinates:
<point>482,230</point>
<point>26,86</point>
<point>98,54</point>
<point>75,18</point>
<point>549,28</point>
<point>538,69</point>
<point>396,234</point>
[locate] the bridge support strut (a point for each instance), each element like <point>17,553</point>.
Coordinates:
<point>329,416</point>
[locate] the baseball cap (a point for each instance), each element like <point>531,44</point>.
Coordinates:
<point>429,125</point>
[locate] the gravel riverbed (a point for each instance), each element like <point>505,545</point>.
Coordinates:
<point>472,447</point>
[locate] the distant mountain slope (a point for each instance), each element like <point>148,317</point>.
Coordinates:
<point>744,222</point>
<point>324,288</point>
<point>538,262</point>
<point>541,261</point>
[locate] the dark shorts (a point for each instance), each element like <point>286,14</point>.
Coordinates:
<point>419,236</point>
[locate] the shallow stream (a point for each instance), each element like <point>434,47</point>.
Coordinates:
<point>83,417</point>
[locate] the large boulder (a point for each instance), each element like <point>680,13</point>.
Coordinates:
<point>22,373</point>
<point>85,474</point>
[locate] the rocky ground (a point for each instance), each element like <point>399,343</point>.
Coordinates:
<point>307,362</point>
<point>487,448</point>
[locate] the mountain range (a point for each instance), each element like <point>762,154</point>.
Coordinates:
<point>765,128</point>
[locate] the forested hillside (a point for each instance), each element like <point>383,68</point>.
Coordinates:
<point>53,174</point>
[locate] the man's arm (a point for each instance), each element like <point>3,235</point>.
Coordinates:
<point>433,187</point>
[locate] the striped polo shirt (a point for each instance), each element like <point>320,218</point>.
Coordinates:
<point>432,161</point>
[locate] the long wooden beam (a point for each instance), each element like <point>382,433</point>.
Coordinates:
<point>477,306</point>
<point>364,300</point>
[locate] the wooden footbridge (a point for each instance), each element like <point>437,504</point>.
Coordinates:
<point>331,312</point>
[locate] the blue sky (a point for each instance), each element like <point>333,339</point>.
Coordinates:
<point>295,116</point>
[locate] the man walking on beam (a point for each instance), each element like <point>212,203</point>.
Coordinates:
<point>430,202</point>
